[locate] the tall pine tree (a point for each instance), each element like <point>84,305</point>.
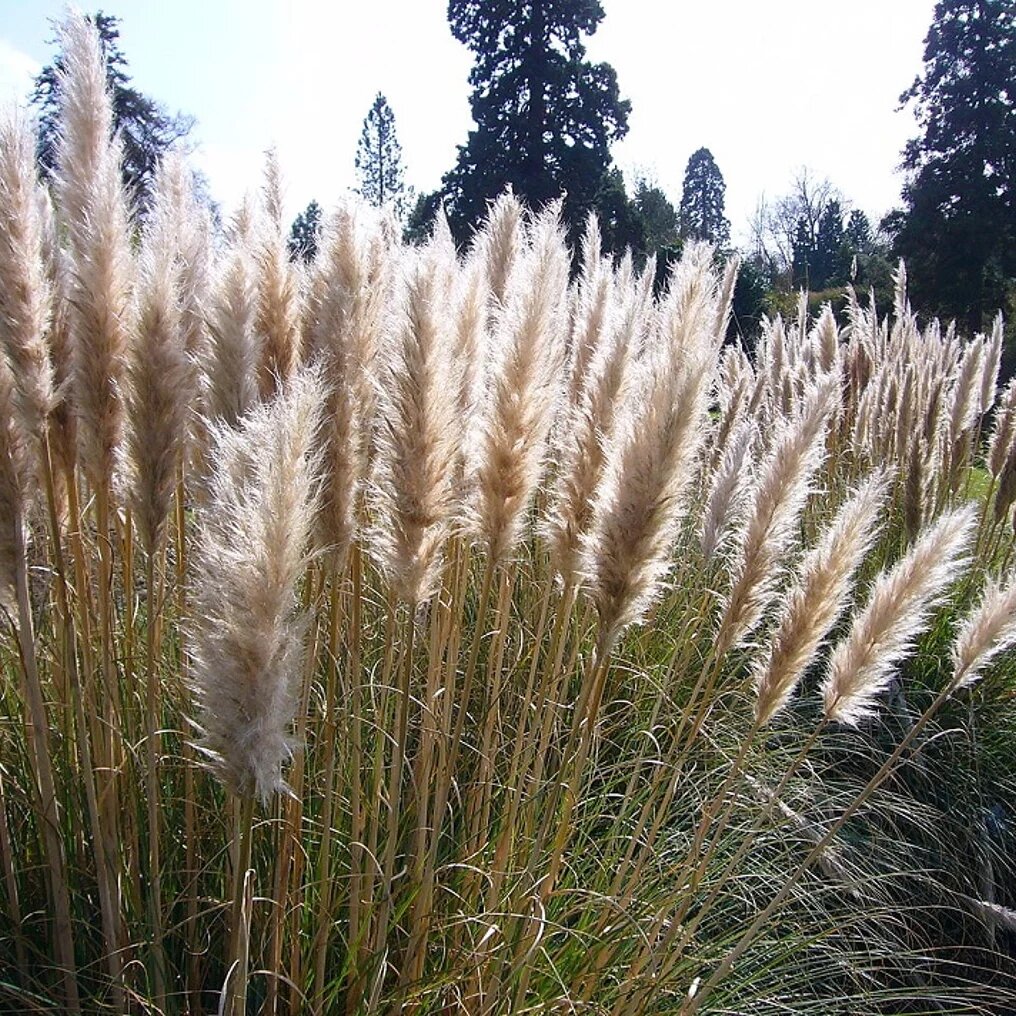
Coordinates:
<point>379,165</point>
<point>545,116</point>
<point>958,229</point>
<point>703,196</point>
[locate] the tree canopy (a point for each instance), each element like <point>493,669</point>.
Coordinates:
<point>545,116</point>
<point>379,166</point>
<point>958,227</point>
<point>146,129</point>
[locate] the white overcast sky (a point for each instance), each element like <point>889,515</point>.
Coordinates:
<point>769,86</point>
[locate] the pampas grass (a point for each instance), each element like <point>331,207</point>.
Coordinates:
<point>528,650</point>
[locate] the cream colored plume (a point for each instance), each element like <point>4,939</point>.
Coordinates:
<point>162,377</point>
<point>987,631</point>
<point>817,598</point>
<point>349,296</point>
<point>897,611</point>
<point>15,485</point>
<point>528,351</point>
<point>278,317</point>
<point>25,291</point>
<point>640,502</point>
<point>233,357</point>
<point>93,210</point>
<point>252,538</point>
<point>781,491</point>
<point>420,427</point>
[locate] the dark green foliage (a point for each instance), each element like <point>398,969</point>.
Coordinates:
<point>545,117</point>
<point>957,230</point>
<point>305,233</point>
<point>658,217</point>
<point>379,160</point>
<point>804,255</point>
<point>420,220</point>
<point>703,215</point>
<point>749,302</point>
<point>832,258</point>
<point>146,129</point>
<point>836,253</point>
<point>621,224</point>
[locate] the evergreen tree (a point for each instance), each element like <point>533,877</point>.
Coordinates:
<point>621,226</point>
<point>146,130</point>
<point>660,223</point>
<point>858,235</point>
<point>420,221</point>
<point>703,215</point>
<point>305,233</point>
<point>830,264</point>
<point>545,117</point>
<point>958,227</point>
<point>379,160</point>
<point>803,255</point>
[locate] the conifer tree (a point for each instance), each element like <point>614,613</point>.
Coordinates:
<point>545,116</point>
<point>305,233</point>
<point>958,229</point>
<point>379,165</point>
<point>703,214</point>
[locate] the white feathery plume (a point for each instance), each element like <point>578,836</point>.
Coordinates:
<point>989,629</point>
<point>93,209</point>
<point>731,490</point>
<point>640,502</point>
<point>817,598</point>
<point>897,611</point>
<point>419,428</point>
<point>252,536</point>
<point>781,490</point>
<point>524,383</point>
<point>25,289</point>
<point>162,378</point>
<point>233,357</point>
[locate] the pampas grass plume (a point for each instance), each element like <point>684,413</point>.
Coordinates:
<point>25,291</point>
<point>252,538</point>
<point>817,598</point>
<point>897,611</point>
<point>93,209</point>
<point>640,502</point>
<point>419,432</point>
<point>988,630</point>
<point>161,374</point>
<point>523,388</point>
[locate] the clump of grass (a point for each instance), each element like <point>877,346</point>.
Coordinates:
<point>465,637</point>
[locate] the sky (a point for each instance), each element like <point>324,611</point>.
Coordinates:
<point>768,86</point>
